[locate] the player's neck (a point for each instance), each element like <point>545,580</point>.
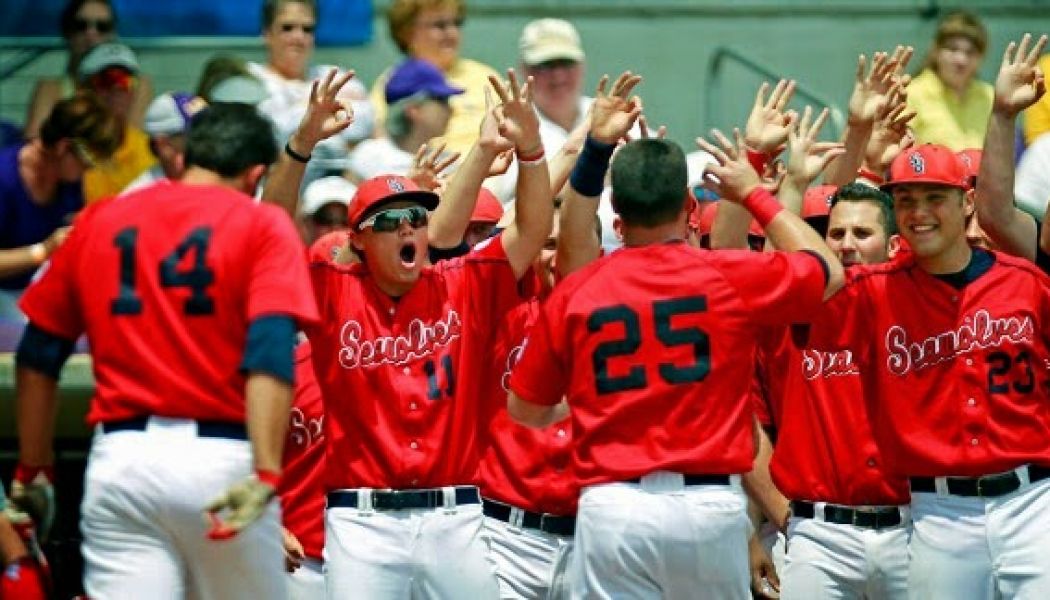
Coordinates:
<point>200,176</point>
<point>952,260</point>
<point>647,236</point>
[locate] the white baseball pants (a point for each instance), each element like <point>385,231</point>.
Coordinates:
<point>530,564</point>
<point>307,582</point>
<point>144,531</point>
<point>661,539</point>
<point>833,561</point>
<point>981,548</point>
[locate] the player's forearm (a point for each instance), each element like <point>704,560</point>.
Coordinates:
<point>14,261</point>
<point>843,169</point>
<point>535,415</point>
<point>11,546</point>
<point>578,242</point>
<point>730,227</point>
<point>267,402</point>
<point>560,168</point>
<point>533,215</point>
<point>36,407</point>
<point>760,488</point>
<point>1012,230</point>
<point>790,233</point>
<point>450,219</point>
<point>286,176</point>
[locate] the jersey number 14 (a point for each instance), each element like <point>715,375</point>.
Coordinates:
<point>197,278</point>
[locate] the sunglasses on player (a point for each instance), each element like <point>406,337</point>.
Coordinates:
<point>80,25</point>
<point>391,218</point>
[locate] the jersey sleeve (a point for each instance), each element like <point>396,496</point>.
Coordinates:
<point>51,301</point>
<point>280,283</point>
<point>542,375</point>
<point>778,288</point>
<point>493,288</point>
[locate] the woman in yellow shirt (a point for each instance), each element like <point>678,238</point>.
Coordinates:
<point>952,105</point>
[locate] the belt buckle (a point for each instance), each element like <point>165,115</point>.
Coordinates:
<point>980,487</point>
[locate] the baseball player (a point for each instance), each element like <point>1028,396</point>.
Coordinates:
<point>401,359</point>
<point>955,381</point>
<point>190,295</point>
<point>642,342</point>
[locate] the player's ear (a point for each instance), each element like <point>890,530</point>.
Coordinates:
<point>251,177</point>
<point>968,203</point>
<point>356,242</point>
<point>893,245</point>
<point>618,227</point>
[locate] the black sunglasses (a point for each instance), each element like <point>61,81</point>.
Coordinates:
<point>80,25</point>
<point>391,218</point>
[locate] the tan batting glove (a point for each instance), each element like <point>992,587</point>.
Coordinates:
<point>33,493</point>
<point>244,501</point>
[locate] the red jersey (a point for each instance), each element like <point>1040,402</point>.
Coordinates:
<point>405,381</point>
<point>654,347</point>
<point>955,375</point>
<point>302,480</point>
<point>825,451</point>
<point>524,466</point>
<point>165,282</point>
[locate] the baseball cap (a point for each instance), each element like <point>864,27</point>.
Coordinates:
<point>971,160</point>
<point>817,201</point>
<point>487,209</point>
<point>326,190</point>
<point>107,55</point>
<point>931,164</point>
<point>415,76</point>
<point>240,89</point>
<point>382,189</point>
<point>171,112</point>
<point>707,221</point>
<point>545,40</point>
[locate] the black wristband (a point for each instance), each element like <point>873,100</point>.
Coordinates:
<point>588,174</point>
<point>295,155</point>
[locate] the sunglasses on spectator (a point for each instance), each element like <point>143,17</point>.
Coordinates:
<point>443,24</point>
<point>290,27</point>
<point>80,25</point>
<point>113,79</point>
<point>701,193</point>
<point>391,218</point>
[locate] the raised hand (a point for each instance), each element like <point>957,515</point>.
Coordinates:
<point>428,166</point>
<point>1020,82</point>
<point>768,124</point>
<point>874,90</point>
<point>808,156</point>
<point>889,138</point>
<point>489,138</point>
<point>613,114</point>
<point>733,178</point>
<point>501,164</point>
<point>516,117</point>
<point>326,115</point>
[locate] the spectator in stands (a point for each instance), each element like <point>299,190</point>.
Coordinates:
<point>1037,117</point>
<point>167,121</point>
<point>226,78</point>
<point>288,30</point>
<point>110,72</point>
<point>40,188</point>
<point>952,105</point>
<point>325,207</point>
<point>84,25</point>
<point>431,30</point>
<point>419,98</point>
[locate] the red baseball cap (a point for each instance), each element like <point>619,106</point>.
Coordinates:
<point>817,201</point>
<point>971,160</point>
<point>383,189</point>
<point>487,209</point>
<point>707,220</point>
<point>929,164</point>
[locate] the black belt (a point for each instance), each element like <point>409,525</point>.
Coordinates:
<point>208,429</point>
<point>404,499</point>
<point>989,486</point>
<point>695,480</point>
<point>547,523</point>
<point>876,517</point>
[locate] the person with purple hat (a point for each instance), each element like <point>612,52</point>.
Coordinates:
<point>417,94</point>
<point>167,120</point>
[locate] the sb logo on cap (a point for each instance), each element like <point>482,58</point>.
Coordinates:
<point>917,163</point>
<point>395,186</point>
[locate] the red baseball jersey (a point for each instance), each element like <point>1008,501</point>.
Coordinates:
<point>956,376</point>
<point>302,479</point>
<point>405,381</point>
<point>825,451</point>
<point>654,347</point>
<point>165,282</point>
<point>524,466</point>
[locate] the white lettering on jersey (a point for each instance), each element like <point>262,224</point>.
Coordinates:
<point>827,364</point>
<point>976,333</point>
<point>303,431</point>
<point>421,339</point>
<point>513,357</point>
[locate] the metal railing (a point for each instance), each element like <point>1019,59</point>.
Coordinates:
<point>714,110</point>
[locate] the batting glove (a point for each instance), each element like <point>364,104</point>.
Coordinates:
<point>245,500</point>
<point>33,493</point>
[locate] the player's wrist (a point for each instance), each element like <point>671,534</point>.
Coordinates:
<point>270,477</point>
<point>29,474</point>
<point>762,205</point>
<point>588,175</point>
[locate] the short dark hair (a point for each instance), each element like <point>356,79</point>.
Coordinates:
<point>859,192</point>
<point>272,7</point>
<point>649,182</point>
<point>229,138</point>
<point>84,119</point>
